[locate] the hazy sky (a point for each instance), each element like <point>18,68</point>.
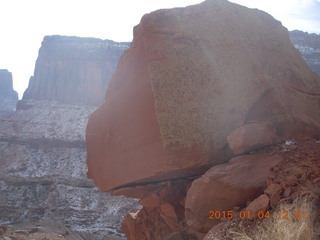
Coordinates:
<point>24,23</point>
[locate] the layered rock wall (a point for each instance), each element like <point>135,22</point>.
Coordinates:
<point>309,46</point>
<point>8,97</point>
<point>73,70</point>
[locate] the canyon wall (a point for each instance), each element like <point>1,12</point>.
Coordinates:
<point>309,46</point>
<point>8,97</point>
<point>74,70</point>
<point>198,87</point>
<point>42,144</point>
<point>43,171</point>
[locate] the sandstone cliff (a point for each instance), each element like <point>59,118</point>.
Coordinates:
<point>309,46</point>
<point>199,86</point>
<point>73,69</point>
<point>8,97</point>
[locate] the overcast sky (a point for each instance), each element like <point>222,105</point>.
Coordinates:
<point>24,23</point>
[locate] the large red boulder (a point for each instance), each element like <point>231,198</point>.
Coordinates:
<point>191,76</point>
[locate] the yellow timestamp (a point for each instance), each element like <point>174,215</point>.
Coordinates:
<point>214,215</point>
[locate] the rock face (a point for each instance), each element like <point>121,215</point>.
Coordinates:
<point>227,185</point>
<point>191,76</point>
<point>43,171</point>
<point>309,46</point>
<point>8,97</point>
<point>74,70</point>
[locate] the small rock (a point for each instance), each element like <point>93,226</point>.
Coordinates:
<point>22,232</point>
<point>269,181</point>
<point>291,180</point>
<point>274,189</point>
<point>251,136</point>
<point>3,228</point>
<point>168,210</point>
<point>6,238</point>
<point>217,231</point>
<point>275,199</point>
<point>33,230</point>
<point>274,192</point>
<point>259,204</point>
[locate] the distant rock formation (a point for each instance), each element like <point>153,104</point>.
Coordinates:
<point>191,77</point>
<point>309,46</point>
<point>8,97</point>
<point>74,70</point>
<point>42,144</point>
